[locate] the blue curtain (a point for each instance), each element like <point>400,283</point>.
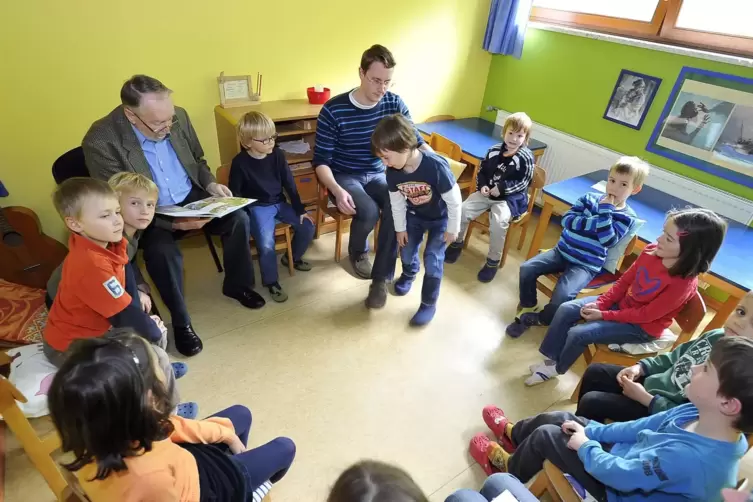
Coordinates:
<point>506,27</point>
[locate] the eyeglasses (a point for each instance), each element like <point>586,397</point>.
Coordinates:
<point>266,141</point>
<point>160,130</point>
<point>379,82</point>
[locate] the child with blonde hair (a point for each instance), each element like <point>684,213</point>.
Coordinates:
<point>261,172</point>
<point>502,189</point>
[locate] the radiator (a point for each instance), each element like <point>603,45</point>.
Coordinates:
<point>567,156</point>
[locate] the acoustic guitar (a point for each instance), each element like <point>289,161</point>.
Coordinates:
<point>27,255</point>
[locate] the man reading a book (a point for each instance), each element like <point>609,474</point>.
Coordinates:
<point>149,135</point>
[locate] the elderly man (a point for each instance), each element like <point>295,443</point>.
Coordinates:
<point>147,134</point>
<point>353,174</point>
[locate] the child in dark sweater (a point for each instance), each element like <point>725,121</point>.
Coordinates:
<point>261,172</point>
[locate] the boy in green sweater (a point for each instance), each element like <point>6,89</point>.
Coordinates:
<point>611,392</point>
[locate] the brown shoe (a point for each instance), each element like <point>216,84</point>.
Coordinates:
<point>377,295</point>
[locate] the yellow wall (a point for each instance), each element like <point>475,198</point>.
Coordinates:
<point>62,64</point>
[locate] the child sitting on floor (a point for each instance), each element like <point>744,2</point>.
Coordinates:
<point>619,394</point>
<point>594,224</point>
<point>690,452</point>
<point>109,405</point>
<point>502,189</point>
<point>373,481</point>
<point>261,172</point>
<point>643,302</point>
<point>425,199</point>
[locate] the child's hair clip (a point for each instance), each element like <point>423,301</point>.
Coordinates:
<point>682,233</point>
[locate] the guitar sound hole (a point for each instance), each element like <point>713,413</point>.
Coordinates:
<point>12,239</point>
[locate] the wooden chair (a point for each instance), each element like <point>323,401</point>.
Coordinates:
<point>39,450</point>
<point>283,239</point>
<point>689,318</point>
<point>324,209</point>
<point>538,182</point>
<point>439,118</point>
<point>552,481</point>
<point>440,144</point>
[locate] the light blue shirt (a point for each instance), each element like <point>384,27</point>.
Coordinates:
<point>167,171</point>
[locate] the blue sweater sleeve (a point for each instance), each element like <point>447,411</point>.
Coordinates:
<point>326,138</point>
<point>651,471</point>
<point>591,215</point>
<point>133,317</point>
<point>623,432</point>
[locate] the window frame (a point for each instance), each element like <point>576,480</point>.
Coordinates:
<point>662,28</point>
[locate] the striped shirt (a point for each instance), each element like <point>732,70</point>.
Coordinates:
<point>590,228</point>
<point>344,129</point>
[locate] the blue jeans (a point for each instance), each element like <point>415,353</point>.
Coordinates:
<point>433,254</point>
<point>268,462</point>
<point>370,193</point>
<point>573,279</point>
<point>262,221</point>
<point>493,487</point>
<point>566,340</point>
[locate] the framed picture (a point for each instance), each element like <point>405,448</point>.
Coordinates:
<point>238,90</point>
<point>631,98</point>
<point>707,124</point>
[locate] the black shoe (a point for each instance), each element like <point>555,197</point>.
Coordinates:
<point>377,295</point>
<point>187,342</point>
<point>247,297</point>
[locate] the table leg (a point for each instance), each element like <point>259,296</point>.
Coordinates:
<point>723,313</point>
<point>538,236</point>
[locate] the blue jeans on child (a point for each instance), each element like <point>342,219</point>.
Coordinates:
<point>433,254</point>
<point>573,278</point>
<point>494,486</point>
<point>263,220</point>
<point>268,462</point>
<point>565,340</point>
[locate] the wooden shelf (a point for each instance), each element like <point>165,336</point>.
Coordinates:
<point>293,158</point>
<point>285,130</point>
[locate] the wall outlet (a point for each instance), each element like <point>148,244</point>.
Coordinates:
<point>491,108</point>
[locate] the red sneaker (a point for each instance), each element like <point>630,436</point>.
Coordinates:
<point>495,419</point>
<point>478,450</point>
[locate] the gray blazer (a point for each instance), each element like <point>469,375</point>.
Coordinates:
<point>110,146</point>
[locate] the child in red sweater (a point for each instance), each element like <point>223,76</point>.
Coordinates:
<point>643,302</point>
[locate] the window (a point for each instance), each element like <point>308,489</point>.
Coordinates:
<point>722,25</point>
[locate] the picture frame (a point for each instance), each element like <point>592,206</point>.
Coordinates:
<point>707,124</point>
<point>631,98</point>
<point>237,91</point>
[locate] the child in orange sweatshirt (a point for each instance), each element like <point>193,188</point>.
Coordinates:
<point>109,404</point>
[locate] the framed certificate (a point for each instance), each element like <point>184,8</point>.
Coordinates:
<point>237,91</point>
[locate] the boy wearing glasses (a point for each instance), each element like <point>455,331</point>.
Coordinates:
<point>261,172</point>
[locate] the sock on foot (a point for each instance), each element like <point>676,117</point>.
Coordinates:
<point>543,373</point>
<point>497,456</point>
<point>508,430</point>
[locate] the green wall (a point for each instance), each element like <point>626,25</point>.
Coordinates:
<point>564,81</point>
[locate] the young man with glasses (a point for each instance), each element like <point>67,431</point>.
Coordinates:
<point>261,172</point>
<point>147,134</point>
<point>354,176</point>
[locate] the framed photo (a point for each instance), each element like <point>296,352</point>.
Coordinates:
<point>631,98</point>
<point>237,91</point>
<point>707,124</point>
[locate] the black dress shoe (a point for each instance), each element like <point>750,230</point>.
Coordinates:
<point>187,342</point>
<point>247,297</point>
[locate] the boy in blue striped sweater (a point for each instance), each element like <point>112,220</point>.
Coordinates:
<point>594,224</point>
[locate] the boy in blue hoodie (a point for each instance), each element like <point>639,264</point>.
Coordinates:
<point>690,452</point>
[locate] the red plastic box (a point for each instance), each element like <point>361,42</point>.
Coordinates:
<point>317,98</point>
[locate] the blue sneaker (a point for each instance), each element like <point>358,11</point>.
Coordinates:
<point>188,410</point>
<point>488,271</point>
<point>424,315</point>
<point>403,285</point>
<point>522,324</point>
<point>452,253</point>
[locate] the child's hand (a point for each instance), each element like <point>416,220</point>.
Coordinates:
<point>494,192</point>
<point>577,440</point>
<point>236,446</point>
<point>591,314</point>
<point>484,191</point>
<point>305,216</point>
<point>571,427</point>
<point>146,302</point>
<point>186,224</point>
<point>632,373</point>
<point>635,391</point>
<point>588,306</point>
<point>608,199</point>
<point>450,238</point>
<point>402,239</point>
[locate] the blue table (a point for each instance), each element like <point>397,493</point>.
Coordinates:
<point>731,272</point>
<point>474,135</point>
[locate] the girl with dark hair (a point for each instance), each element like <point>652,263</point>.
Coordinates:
<point>372,481</point>
<point>644,300</point>
<point>109,404</point>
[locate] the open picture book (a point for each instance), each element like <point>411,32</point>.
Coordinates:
<point>211,207</point>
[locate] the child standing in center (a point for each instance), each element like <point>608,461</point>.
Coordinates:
<point>261,172</point>
<point>425,198</point>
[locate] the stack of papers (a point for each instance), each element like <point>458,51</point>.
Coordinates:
<point>298,147</point>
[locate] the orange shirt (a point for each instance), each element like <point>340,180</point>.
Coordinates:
<point>92,289</point>
<point>168,473</point>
